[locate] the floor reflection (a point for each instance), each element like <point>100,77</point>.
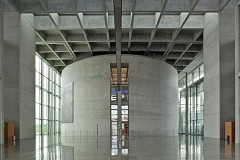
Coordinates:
<point>191,147</point>
<point>132,148</point>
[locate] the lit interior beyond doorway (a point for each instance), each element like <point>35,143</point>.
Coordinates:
<point>119,111</point>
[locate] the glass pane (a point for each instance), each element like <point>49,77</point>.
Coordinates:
<point>124,97</point>
<point>124,117</point>
<point>114,139</point>
<point>51,100</point>
<point>196,75</point>
<point>38,79</point>
<point>45,98</point>
<point>114,112</point>
<point>51,113</point>
<point>50,73</point>
<point>45,126</point>
<point>124,111</point>
<point>114,152</point>
<point>113,97</point>
<point>45,83</point>
<point>114,128</point>
<point>58,90</point>
<point>37,63</point>
<point>189,79</point>
<point>38,126</point>
<point>51,86</point>
<point>45,69</point>
<point>124,152</point>
<point>37,95</point>
<point>57,79</point>
<point>57,127</point>
<point>57,114</point>
<point>114,117</point>
<point>114,107</point>
<point>57,102</point>
<point>54,76</point>
<point>45,112</point>
<point>38,111</point>
<point>125,107</point>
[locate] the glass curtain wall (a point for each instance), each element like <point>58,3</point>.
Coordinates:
<point>182,105</point>
<point>47,100</point>
<point>195,102</point>
<point>119,141</point>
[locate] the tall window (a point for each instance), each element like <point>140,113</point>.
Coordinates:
<point>195,102</point>
<point>182,105</point>
<point>119,112</point>
<point>47,100</point>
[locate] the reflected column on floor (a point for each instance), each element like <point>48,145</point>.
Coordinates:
<point>1,151</point>
<point>191,147</point>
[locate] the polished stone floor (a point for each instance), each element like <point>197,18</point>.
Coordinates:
<point>133,148</point>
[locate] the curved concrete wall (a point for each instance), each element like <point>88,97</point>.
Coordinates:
<point>153,106</point>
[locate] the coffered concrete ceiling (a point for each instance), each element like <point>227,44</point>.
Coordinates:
<point>69,30</point>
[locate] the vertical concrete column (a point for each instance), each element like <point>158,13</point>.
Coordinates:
<point>237,70</point>
<point>19,71</point>
<point>1,76</point>
<point>27,77</point>
<point>11,69</point>
<point>187,103</point>
<point>219,87</point>
<point>227,65</point>
<point>211,76</point>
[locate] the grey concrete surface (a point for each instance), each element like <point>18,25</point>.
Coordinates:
<point>27,77</point>
<point>1,75</point>
<point>67,103</point>
<point>227,65</point>
<point>211,76</point>
<point>19,88</point>
<point>96,6</point>
<point>152,96</point>
<point>219,63</point>
<point>237,71</point>
<point>11,69</point>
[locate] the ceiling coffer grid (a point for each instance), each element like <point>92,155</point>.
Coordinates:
<point>69,30</point>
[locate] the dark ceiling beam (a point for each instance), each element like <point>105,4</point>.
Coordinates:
<point>223,4</point>
<point>118,37</point>
<point>176,33</point>
<point>79,15</point>
<point>106,23</point>
<point>195,37</point>
<point>131,25</point>
<point>164,3</point>
<point>54,17</point>
<point>14,4</point>
<point>42,36</point>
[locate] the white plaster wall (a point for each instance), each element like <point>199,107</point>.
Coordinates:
<point>153,106</point>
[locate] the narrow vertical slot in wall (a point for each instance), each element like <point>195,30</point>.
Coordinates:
<point>119,132</point>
